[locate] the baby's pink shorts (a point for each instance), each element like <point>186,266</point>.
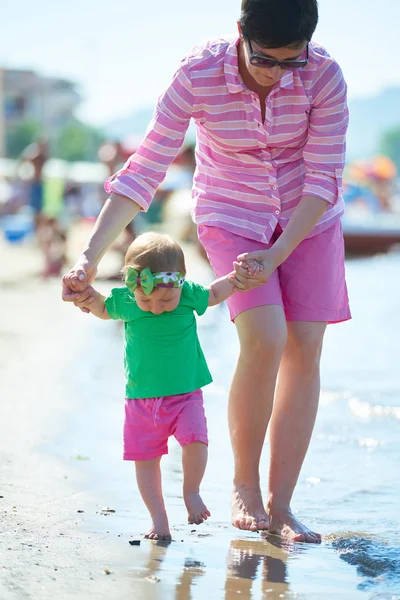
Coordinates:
<point>149,422</point>
<point>310,285</point>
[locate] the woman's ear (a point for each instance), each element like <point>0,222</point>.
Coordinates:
<point>239,29</point>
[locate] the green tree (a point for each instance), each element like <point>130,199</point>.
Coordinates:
<point>78,141</point>
<point>19,136</point>
<point>390,145</point>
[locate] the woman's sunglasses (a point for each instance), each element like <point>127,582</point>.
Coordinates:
<point>258,60</point>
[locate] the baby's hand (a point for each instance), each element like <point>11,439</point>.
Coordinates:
<point>87,298</point>
<point>253,266</point>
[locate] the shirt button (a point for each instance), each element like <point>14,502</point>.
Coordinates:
<point>338,171</point>
<point>277,212</point>
<point>274,187</point>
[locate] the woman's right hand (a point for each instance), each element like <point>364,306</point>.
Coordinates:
<point>76,284</point>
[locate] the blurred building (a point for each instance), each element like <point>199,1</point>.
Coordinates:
<point>27,96</point>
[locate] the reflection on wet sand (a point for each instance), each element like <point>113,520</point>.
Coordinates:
<point>190,571</point>
<point>249,561</point>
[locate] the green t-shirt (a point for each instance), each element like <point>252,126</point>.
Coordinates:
<point>163,356</point>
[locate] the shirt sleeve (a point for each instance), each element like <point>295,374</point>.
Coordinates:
<point>145,170</point>
<point>325,151</point>
<point>120,305</point>
<point>198,297</point>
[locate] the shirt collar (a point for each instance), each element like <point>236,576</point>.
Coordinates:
<point>287,81</point>
<point>231,67</point>
<point>232,76</point>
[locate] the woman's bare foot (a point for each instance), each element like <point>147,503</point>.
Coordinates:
<point>197,510</point>
<point>285,524</point>
<point>247,509</point>
<point>159,528</point>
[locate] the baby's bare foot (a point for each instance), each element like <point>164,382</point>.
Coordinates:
<point>159,528</point>
<point>285,524</point>
<point>247,509</point>
<point>197,510</point>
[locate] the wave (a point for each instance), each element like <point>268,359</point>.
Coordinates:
<point>375,560</point>
<point>365,410</point>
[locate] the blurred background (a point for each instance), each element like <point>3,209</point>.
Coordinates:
<point>78,83</point>
<point>78,88</point>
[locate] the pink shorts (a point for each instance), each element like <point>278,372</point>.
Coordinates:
<point>310,285</point>
<point>149,422</point>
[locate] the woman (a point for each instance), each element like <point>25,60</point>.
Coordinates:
<point>271,116</point>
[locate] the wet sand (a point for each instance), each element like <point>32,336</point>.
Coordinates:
<point>61,469</point>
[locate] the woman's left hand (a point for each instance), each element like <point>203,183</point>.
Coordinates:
<point>248,276</point>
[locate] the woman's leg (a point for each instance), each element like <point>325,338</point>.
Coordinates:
<point>194,461</point>
<point>148,476</point>
<point>262,335</point>
<point>292,422</point>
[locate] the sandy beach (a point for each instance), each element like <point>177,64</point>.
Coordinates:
<point>69,505</point>
<point>44,549</point>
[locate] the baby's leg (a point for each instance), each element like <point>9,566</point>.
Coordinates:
<point>194,460</point>
<point>148,476</point>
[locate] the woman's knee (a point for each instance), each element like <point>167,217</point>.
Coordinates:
<point>304,345</point>
<point>263,338</point>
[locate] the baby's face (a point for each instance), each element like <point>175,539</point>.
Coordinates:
<point>160,300</point>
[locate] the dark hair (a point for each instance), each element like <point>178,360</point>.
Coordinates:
<point>279,23</point>
<point>155,251</point>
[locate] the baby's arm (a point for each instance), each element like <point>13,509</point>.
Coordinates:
<point>220,289</point>
<point>96,305</point>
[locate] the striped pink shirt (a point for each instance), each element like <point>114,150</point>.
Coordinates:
<point>250,175</point>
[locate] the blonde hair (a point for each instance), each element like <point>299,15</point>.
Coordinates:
<point>155,251</point>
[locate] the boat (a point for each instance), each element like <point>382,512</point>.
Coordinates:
<point>370,234</point>
<point>371,222</point>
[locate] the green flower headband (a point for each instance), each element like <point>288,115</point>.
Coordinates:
<point>148,280</point>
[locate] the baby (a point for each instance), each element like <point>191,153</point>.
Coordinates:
<point>165,368</point>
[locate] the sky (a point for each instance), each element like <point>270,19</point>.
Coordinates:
<point>123,54</point>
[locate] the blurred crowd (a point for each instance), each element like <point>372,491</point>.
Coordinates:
<point>45,198</point>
